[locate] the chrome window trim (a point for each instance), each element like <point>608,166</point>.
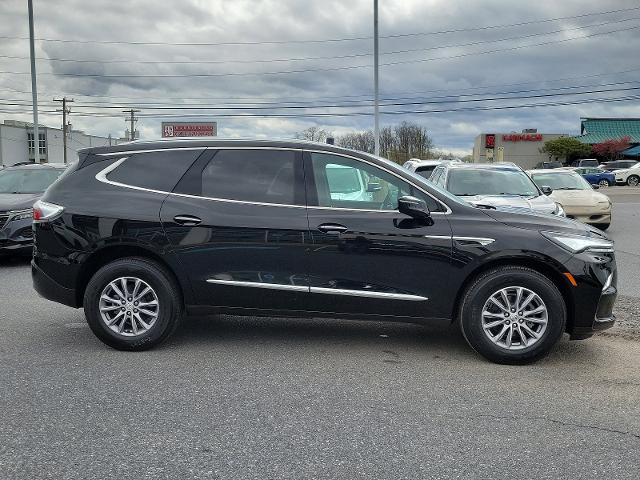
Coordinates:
<point>102,177</point>
<point>268,286</point>
<point>365,293</point>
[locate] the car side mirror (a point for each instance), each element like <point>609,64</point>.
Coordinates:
<point>414,207</point>
<point>547,190</point>
<point>374,187</point>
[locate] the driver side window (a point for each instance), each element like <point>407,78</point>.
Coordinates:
<point>343,182</point>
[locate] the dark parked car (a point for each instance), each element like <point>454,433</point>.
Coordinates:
<point>618,165</point>
<point>20,187</point>
<point>547,165</point>
<point>140,233</point>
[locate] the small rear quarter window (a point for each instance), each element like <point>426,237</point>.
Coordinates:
<point>159,170</point>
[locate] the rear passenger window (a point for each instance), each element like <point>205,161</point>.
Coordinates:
<point>154,170</point>
<point>264,176</point>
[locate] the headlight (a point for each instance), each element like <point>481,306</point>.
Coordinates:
<point>559,211</point>
<point>20,215</point>
<point>580,243</point>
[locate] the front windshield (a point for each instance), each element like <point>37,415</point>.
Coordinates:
<point>27,180</point>
<point>472,181</point>
<point>561,181</point>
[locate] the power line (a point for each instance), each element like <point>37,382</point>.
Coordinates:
<point>309,70</point>
<point>480,87</point>
<point>357,114</point>
<point>329,57</point>
<point>327,40</point>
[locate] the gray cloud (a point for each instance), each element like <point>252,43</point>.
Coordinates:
<point>264,21</point>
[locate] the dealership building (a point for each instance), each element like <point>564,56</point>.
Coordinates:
<point>17,143</point>
<point>522,148</point>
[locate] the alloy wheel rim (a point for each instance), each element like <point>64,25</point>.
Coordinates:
<point>514,318</point>
<point>129,306</point>
<point>633,181</point>
<point>603,183</point>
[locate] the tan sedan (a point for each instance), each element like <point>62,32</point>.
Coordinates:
<point>579,200</point>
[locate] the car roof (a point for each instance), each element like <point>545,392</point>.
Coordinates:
<point>160,144</point>
<point>426,163</point>
<point>552,170</point>
<point>501,166</point>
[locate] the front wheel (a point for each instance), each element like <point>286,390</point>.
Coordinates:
<point>604,183</point>
<point>512,315</point>
<point>132,304</point>
<point>633,180</point>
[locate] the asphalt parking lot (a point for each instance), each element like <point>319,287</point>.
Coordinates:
<point>249,398</point>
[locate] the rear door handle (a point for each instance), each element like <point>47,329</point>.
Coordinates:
<point>332,228</point>
<point>187,220</point>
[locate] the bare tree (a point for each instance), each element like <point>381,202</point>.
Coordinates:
<point>362,141</point>
<point>314,134</point>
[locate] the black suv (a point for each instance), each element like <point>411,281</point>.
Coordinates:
<point>139,234</point>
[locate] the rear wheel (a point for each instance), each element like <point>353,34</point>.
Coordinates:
<point>604,183</point>
<point>132,304</point>
<point>512,315</point>
<point>633,180</point>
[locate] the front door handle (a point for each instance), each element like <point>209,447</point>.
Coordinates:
<point>332,228</point>
<point>187,220</point>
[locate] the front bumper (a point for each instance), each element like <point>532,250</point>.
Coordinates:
<point>590,217</point>
<point>16,237</point>
<point>595,295</point>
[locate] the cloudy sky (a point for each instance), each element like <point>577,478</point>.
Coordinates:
<point>265,68</point>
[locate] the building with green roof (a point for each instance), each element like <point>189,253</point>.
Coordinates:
<point>598,130</point>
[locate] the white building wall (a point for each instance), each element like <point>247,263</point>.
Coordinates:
<point>13,145</point>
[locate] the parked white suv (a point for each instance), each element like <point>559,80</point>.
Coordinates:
<point>629,176</point>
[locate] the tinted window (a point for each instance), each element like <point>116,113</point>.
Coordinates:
<point>425,171</point>
<point>347,183</point>
<point>265,176</point>
<point>27,180</point>
<point>154,170</point>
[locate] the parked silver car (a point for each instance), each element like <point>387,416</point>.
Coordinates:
<point>495,185</point>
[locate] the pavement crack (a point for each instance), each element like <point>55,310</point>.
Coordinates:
<point>561,422</point>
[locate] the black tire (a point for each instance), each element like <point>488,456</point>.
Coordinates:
<point>484,286</point>
<point>633,180</point>
<point>602,226</point>
<point>169,300</point>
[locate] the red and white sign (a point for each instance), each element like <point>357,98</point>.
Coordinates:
<point>189,129</point>
<point>522,137</point>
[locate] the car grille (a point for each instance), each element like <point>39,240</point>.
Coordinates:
<point>3,219</point>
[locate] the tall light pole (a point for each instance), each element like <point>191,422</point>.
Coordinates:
<point>34,87</point>
<point>376,130</point>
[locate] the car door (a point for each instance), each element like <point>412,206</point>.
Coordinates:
<point>366,257</point>
<point>237,222</point>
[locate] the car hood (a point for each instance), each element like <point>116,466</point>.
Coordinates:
<point>540,204</point>
<point>17,201</point>
<point>578,198</point>
<point>541,222</point>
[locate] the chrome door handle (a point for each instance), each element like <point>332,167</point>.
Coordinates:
<point>187,220</point>
<point>332,228</point>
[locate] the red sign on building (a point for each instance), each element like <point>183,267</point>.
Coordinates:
<point>522,137</point>
<point>189,129</point>
<point>489,140</point>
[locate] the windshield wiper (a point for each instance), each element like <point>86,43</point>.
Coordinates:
<point>484,206</point>
<point>567,188</point>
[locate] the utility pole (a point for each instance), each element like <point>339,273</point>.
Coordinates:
<point>376,65</point>
<point>34,87</point>
<point>64,111</point>
<point>133,119</point>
